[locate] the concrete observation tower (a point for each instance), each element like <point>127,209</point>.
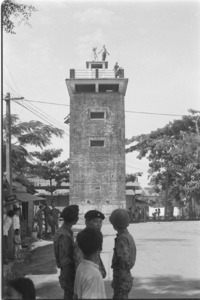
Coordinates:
<point>97,138</point>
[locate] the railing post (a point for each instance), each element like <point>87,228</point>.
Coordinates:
<point>72,73</point>
<point>97,73</point>
<point>121,73</point>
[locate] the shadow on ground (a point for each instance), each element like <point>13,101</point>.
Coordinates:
<point>160,287</point>
<point>42,261</point>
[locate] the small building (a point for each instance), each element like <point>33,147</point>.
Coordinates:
<point>26,201</point>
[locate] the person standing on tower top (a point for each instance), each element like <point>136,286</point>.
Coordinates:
<point>94,54</point>
<point>104,52</point>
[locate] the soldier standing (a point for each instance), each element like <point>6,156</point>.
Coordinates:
<point>124,255</point>
<point>64,250</point>
<point>55,214</point>
<point>39,218</point>
<point>93,219</point>
<point>48,219</point>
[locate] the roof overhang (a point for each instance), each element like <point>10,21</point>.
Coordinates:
<point>71,83</point>
<point>26,197</point>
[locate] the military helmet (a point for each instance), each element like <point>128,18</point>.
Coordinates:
<point>119,218</point>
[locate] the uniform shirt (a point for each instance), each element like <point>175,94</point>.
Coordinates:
<point>89,283</point>
<point>6,225</point>
<point>124,252</point>
<point>64,246</point>
<point>78,254</point>
<point>39,214</point>
<point>16,222</point>
<point>55,213</point>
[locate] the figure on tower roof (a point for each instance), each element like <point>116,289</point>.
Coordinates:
<point>104,52</point>
<point>94,54</point>
<point>116,69</point>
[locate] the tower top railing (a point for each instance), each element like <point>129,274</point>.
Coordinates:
<point>96,73</point>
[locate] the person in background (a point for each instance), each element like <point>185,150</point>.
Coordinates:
<point>64,250</point>
<point>6,226</point>
<point>39,218</point>
<point>124,255</point>
<point>88,281</point>
<point>16,219</point>
<point>116,69</point>
<point>93,219</point>
<point>55,214</point>
<point>17,243</point>
<point>48,219</point>
<point>20,288</point>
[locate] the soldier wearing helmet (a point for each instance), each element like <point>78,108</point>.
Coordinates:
<point>93,219</point>
<point>124,255</point>
<point>64,250</point>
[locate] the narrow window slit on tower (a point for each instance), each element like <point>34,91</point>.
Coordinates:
<point>97,143</point>
<point>108,88</point>
<point>97,115</point>
<point>85,88</point>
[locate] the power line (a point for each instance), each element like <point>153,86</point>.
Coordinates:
<point>152,113</point>
<point>44,102</point>
<point>129,111</point>
<point>39,116</point>
<point>35,113</point>
<point>12,78</point>
<point>45,115</point>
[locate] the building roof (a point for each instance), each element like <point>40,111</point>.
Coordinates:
<point>26,197</point>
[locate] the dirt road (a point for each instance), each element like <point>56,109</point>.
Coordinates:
<point>167,265</point>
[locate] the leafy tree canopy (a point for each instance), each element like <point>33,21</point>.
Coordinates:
<point>46,168</point>
<point>23,134</point>
<point>174,156</point>
<point>12,10</point>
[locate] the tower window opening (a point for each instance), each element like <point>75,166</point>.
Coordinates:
<point>108,88</point>
<point>97,115</point>
<point>96,66</point>
<point>85,88</point>
<point>97,143</point>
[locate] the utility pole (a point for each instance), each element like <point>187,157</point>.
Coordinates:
<point>9,171</point>
<point>8,147</point>
<point>9,168</point>
<point>166,189</point>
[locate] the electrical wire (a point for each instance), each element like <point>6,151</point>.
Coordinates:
<point>44,114</point>
<point>12,79</point>
<point>129,111</point>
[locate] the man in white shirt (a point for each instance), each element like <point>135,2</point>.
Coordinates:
<point>16,220</point>
<point>89,283</point>
<point>6,226</point>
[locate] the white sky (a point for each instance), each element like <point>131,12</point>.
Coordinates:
<point>156,42</point>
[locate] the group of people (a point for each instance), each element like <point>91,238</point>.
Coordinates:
<point>103,51</point>
<point>81,267</point>
<point>12,218</point>
<point>50,216</point>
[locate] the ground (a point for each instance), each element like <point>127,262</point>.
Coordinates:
<point>167,264</point>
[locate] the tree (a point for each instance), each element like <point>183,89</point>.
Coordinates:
<point>133,177</point>
<point>12,10</point>
<point>47,169</point>
<point>174,160</point>
<point>24,134</point>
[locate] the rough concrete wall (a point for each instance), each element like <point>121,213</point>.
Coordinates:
<point>97,174</point>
